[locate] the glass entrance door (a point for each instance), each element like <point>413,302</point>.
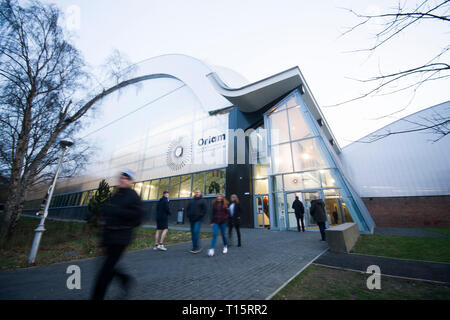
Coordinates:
<point>262,211</point>
<point>291,221</point>
<point>307,198</point>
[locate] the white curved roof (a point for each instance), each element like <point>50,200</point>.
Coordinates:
<point>406,164</point>
<point>188,70</point>
<point>218,88</point>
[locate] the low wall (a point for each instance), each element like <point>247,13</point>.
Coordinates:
<point>410,211</point>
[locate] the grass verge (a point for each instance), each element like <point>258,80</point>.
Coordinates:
<point>415,248</point>
<point>444,231</point>
<point>66,241</point>
<point>322,283</point>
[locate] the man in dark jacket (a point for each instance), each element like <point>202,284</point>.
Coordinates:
<point>162,221</point>
<point>196,211</point>
<point>317,211</point>
<point>121,215</point>
<point>297,205</point>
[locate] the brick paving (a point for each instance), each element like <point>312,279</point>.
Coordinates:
<point>266,261</point>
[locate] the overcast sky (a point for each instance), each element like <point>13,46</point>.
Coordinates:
<point>261,38</point>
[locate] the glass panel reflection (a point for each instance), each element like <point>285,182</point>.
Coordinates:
<point>174,187</point>
<point>307,155</point>
<point>261,186</point>
<point>281,158</point>
<point>301,181</point>
<point>299,126</point>
<point>278,128</point>
<point>185,186</point>
<point>163,186</point>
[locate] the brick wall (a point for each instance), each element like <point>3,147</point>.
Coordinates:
<point>410,211</point>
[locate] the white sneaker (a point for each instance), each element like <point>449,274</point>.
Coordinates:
<point>210,252</point>
<point>156,247</point>
<point>161,247</point>
<point>225,249</point>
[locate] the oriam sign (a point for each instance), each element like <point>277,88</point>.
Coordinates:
<point>211,139</point>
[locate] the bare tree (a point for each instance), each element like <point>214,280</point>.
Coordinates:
<point>41,74</point>
<point>436,68</point>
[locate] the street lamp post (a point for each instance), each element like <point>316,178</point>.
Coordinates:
<point>40,229</point>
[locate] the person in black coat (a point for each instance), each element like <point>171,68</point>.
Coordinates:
<point>297,205</point>
<point>121,214</point>
<point>317,211</point>
<point>235,218</point>
<point>196,211</point>
<point>162,221</point>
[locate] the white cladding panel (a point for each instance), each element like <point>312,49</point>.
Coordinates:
<point>407,164</point>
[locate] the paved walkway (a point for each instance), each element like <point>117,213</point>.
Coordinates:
<point>422,270</point>
<point>266,261</point>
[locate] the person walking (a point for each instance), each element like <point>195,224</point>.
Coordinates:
<point>297,205</point>
<point>317,211</point>
<point>220,217</point>
<point>121,214</point>
<point>235,218</point>
<point>196,211</point>
<point>162,221</point>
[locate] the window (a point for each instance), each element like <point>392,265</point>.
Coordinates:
<point>215,181</point>
<point>298,124</point>
<point>259,171</point>
<point>185,186</point>
<point>198,182</point>
<point>261,186</point>
<point>163,186</point>
<point>138,188</point>
<point>301,181</point>
<point>153,193</point>
<point>281,158</point>
<point>84,198</point>
<point>277,183</point>
<point>174,187</point>
<point>145,190</point>
<point>308,156</point>
<point>327,179</point>
<point>278,127</point>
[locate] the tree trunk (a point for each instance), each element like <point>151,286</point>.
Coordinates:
<point>13,210</point>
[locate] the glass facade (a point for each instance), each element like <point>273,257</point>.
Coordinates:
<point>300,165</point>
<point>178,186</point>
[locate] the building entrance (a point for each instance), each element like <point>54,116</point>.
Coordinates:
<point>262,219</point>
<point>305,198</point>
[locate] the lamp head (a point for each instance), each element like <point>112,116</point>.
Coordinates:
<point>66,143</point>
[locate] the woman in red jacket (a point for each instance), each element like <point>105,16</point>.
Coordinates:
<point>220,218</point>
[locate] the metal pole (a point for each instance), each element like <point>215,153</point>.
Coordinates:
<point>40,229</point>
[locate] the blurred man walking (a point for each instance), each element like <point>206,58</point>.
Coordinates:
<point>121,215</point>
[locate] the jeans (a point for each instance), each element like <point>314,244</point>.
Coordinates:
<point>195,234</point>
<point>223,229</point>
<point>322,229</point>
<point>235,224</point>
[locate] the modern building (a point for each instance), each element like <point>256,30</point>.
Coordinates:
<point>404,179</point>
<point>193,126</point>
